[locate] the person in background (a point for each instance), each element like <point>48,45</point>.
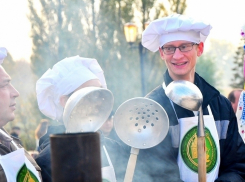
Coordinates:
<point>53,89</point>
<point>15,163</point>
<point>179,39</point>
<point>233,97</point>
<point>108,129</point>
<point>15,131</point>
<point>40,131</point>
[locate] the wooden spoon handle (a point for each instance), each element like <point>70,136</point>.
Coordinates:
<point>201,149</point>
<point>131,165</point>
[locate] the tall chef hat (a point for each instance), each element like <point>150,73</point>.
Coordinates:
<point>3,54</point>
<point>172,28</point>
<point>65,77</point>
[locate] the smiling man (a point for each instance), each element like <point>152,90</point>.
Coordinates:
<point>180,41</point>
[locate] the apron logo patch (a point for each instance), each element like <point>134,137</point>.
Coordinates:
<point>25,175</point>
<point>188,150</point>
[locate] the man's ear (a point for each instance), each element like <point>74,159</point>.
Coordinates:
<point>161,53</point>
<point>200,49</point>
<point>63,100</point>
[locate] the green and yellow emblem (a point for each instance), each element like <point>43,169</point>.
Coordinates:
<point>25,175</point>
<point>188,150</point>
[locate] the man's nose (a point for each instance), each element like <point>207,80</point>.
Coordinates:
<point>177,54</point>
<point>15,92</point>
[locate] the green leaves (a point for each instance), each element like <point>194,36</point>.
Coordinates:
<point>94,29</point>
<point>238,78</point>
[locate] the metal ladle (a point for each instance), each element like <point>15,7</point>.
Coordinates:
<point>87,109</point>
<point>140,123</point>
<point>188,96</point>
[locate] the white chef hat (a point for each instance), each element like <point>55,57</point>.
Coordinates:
<point>3,54</point>
<point>172,28</point>
<point>65,77</point>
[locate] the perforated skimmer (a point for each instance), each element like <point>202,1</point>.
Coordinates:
<point>140,123</point>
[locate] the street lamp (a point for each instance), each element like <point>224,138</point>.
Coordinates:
<point>130,31</point>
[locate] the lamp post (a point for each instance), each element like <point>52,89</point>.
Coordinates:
<point>130,31</point>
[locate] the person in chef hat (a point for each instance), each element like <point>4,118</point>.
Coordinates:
<point>179,39</point>
<point>15,162</point>
<point>53,89</point>
<point>63,79</point>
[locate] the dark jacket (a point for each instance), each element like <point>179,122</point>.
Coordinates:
<point>116,152</point>
<point>160,163</point>
<point>4,150</point>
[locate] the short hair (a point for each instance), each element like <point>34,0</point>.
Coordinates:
<point>231,96</point>
<point>15,128</point>
<point>41,128</point>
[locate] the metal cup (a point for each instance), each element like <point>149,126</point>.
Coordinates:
<point>76,157</point>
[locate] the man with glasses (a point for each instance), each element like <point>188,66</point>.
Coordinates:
<point>180,41</point>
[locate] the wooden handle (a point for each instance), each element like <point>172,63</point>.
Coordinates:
<point>201,149</point>
<point>131,165</point>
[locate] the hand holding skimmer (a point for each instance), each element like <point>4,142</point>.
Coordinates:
<point>140,123</point>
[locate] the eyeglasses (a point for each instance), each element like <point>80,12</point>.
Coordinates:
<point>183,48</point>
